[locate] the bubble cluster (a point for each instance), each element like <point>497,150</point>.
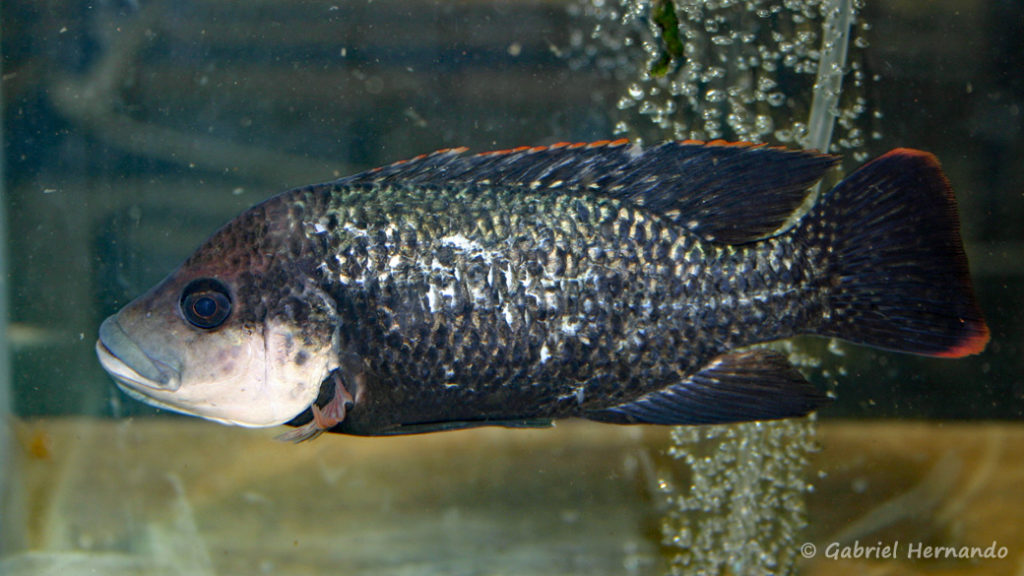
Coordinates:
<point>742,508</point>
<point>724,69</point>
<point>786,72</point>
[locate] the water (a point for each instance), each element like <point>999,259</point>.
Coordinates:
<point>753,71</point>
<point>133,129</point>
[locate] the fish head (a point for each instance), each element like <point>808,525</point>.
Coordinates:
<point>225,338</point>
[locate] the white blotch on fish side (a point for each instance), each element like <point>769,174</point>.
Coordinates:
<point>461,242</point>
<point>545,353</point>
<point>432,299</point>
<point>569,327</point>
<point>343,278</point>
<point>354,231</point>
<point>577,394</point>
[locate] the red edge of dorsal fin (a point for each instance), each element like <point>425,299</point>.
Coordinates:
<point>455,151</point>
<point>617,143</point>
<point>761,145</point>
<point>555,146</point>
<point>452,150</point>
<point>506,151</point>
<point>739,144</point>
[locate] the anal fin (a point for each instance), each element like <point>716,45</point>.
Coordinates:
<point>755,384</point>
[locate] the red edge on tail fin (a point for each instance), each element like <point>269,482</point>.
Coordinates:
<point>927,157</point>
<point>897,230</point>
<point>980,335</point>
<point>975,344</point>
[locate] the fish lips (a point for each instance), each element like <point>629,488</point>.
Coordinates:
<point>134,369</point>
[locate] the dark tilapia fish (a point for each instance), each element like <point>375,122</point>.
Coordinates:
<point>512,288</point>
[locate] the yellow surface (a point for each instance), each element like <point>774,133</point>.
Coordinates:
<point>182,496</point>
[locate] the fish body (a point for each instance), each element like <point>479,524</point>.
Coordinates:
<point>513,288</point>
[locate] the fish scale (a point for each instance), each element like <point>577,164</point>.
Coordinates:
<point>620,257</point>
<point>516,287</point>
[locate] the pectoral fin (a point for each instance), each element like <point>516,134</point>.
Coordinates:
<point>323,419</point>
<point>754,384</point>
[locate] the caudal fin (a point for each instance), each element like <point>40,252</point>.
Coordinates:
<point>896,263</point>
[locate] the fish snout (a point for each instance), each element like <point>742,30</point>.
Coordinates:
<point>129,364</point>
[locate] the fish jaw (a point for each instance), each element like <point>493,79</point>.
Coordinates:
<point>114,344</point>
<point>129,364</point>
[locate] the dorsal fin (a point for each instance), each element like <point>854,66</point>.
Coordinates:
<point>730,193</point>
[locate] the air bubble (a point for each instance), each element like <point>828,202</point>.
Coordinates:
<point>763,124</point>
<point>714,95</point>
<point>724,79</point>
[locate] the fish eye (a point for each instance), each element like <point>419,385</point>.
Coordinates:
<point>205,303</point>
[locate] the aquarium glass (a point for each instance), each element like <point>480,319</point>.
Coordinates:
<point>133,129</point>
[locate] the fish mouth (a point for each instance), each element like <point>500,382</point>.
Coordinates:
<point>134,370</point>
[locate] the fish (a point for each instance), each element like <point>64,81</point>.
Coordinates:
<point>602,281</point>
